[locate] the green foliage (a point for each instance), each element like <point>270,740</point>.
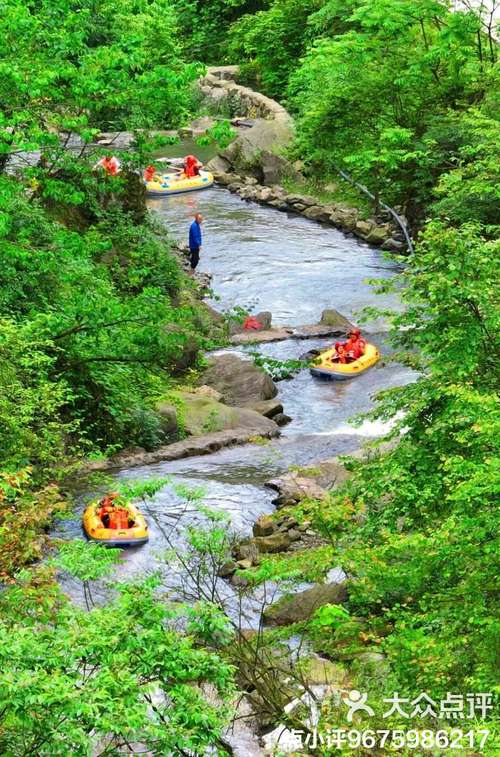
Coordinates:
<point>86,561</point>
<point>30,401</point>
<point>424,558</point>
<point>72,680</point>
<point>221,134</point>
<point>395,93</point>
<point>278,369</point>
<point>328,617</point>
<point>26,508</point>
<point>204,24</point>
<point>417,63</point>
<point>81,267</point>
<point>144,490</point>
<point>90,67</point>
<point>271,42</point>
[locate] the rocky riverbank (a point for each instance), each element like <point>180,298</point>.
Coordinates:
<point>339,215</point>
<point>315,676</point>
<point>233,402</point>
<point>254,165</point>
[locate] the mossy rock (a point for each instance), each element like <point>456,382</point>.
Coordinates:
<point>202,415</point>
<point>198,414</point>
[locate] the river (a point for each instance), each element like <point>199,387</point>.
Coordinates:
<point>264,259</point>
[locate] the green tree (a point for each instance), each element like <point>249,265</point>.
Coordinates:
<point>204,25</point>
<point>271,41</point>
<point>367,98</point>
<point>73,681</point>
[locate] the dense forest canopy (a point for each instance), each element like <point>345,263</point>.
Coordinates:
<point>97,318</point>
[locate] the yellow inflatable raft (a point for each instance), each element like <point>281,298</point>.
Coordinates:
<point>171,184</point>
<point>324,367</point>
<point>136,534</point>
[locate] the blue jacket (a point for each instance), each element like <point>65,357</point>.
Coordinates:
<point>194,236</point>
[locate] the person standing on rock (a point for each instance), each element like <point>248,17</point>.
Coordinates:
<point>195,241</point>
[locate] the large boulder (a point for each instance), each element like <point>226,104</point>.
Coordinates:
<point>269,408</point>
<point>220,167</point>
<point>275,168</point>
<point>167,414</point>
<point>301,606</point>
<point>239,381</point>
<point>200,413</point>
<point>245,152</point>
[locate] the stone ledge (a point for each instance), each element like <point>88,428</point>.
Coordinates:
<point>190,447</point>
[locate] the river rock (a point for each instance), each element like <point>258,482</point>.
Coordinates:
<point>315,213</point>
<point>331,317</point>
<point>210,392</point>
<point>275,168</point>
<point>247,550</point>
<point>282,419</point>
<point>293,487</point>
<point>262,337</point>
<point>227,569</point>
<point>278,204</point>
<point>223,177</point>
<point>239,581</point>
<point>345,217</point>
<point>305,200</point>
<point>219,166</point>
<point>277,542</point>
<point>167,414</point>
<point>240,382</point>
<point>244,564</point>
<point>269,408</point>
<point>200,125</point>
<point>264,194</point>
<point>264,137</point>
<point>193,446</point>
<point>363,229</point>
<point>393,245</point>
<point>264,318</point>
<point>379,234</point>
<point>264,526</point>
<point>200,414</point>
<point>301,606</point>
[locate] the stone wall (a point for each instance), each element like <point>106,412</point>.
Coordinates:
<point>219,85</point>
<point>255,164</point>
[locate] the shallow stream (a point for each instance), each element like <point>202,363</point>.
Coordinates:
<point>264,259</point>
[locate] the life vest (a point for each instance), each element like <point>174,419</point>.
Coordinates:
<point>118,519</point>
<point>355,347</point>
<point>252,323</point>
<point>110,165</point>
<point>149,173</point>
<point>191,166</point>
